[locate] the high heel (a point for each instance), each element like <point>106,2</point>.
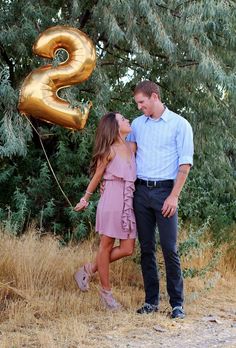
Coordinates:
<point>83,276</point>
<point>108,300</point>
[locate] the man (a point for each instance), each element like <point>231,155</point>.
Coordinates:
<point>164,157</point>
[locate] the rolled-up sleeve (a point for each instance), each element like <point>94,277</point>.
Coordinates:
<point>185,145</point>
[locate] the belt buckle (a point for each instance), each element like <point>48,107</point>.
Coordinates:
<point>149,186</point>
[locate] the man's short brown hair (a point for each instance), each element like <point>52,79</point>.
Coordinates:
<point>147,87</point>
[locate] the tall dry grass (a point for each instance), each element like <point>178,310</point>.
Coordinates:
<point>41,306</point>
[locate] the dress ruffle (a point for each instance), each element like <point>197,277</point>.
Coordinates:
<point>115,216</point>
<point>128,219</point>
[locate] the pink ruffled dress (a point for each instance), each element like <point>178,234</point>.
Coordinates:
<point>115,215</point>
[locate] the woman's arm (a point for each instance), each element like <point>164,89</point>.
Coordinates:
<point>101,166</point>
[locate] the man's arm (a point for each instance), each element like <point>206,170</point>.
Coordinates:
<point>180,179</point>
<point>185,146</point>
<point>131,137</point>
<point>171,203</point>
<point>133,146</point>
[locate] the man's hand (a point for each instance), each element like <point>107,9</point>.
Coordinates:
<point>102,187</point>
<point>170,205</point>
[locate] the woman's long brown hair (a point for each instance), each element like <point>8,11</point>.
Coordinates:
<point>106,134</point>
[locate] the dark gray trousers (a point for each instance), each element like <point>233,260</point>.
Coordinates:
<point>147,207</point>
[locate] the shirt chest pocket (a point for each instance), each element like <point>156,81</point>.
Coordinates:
<point>160,137</point>
<point>167,139</point>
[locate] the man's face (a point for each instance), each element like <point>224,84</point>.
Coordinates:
<point>145,103</point>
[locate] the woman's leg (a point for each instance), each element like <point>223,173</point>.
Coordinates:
<point>126,248</point>
<point>83,275</point>
<point>106,253</point>
<point>103,260</point>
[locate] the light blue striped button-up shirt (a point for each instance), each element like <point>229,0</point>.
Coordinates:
<point>162,145</point>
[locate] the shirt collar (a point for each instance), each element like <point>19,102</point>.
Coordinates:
<point>166,116</point>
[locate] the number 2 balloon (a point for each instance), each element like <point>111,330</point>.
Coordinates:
<point>38,95</point>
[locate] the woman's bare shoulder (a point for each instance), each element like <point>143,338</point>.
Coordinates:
<point>111,154</point>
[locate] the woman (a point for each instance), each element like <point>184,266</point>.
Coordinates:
<point>114,161</point>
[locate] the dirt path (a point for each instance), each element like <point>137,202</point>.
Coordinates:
<point>211,322</point>
<point>190,333</point>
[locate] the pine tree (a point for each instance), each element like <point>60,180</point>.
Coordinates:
<point>188,47</point>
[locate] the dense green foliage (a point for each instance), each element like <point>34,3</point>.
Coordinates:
<point>188,47</point>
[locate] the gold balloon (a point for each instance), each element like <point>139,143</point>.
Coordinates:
<point>38,95</point>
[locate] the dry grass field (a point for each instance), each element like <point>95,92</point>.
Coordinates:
<point>40,305</point>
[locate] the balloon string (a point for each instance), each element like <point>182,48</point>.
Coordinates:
<point>49,164</point>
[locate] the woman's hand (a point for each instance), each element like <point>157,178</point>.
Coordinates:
<point>81,205</point>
